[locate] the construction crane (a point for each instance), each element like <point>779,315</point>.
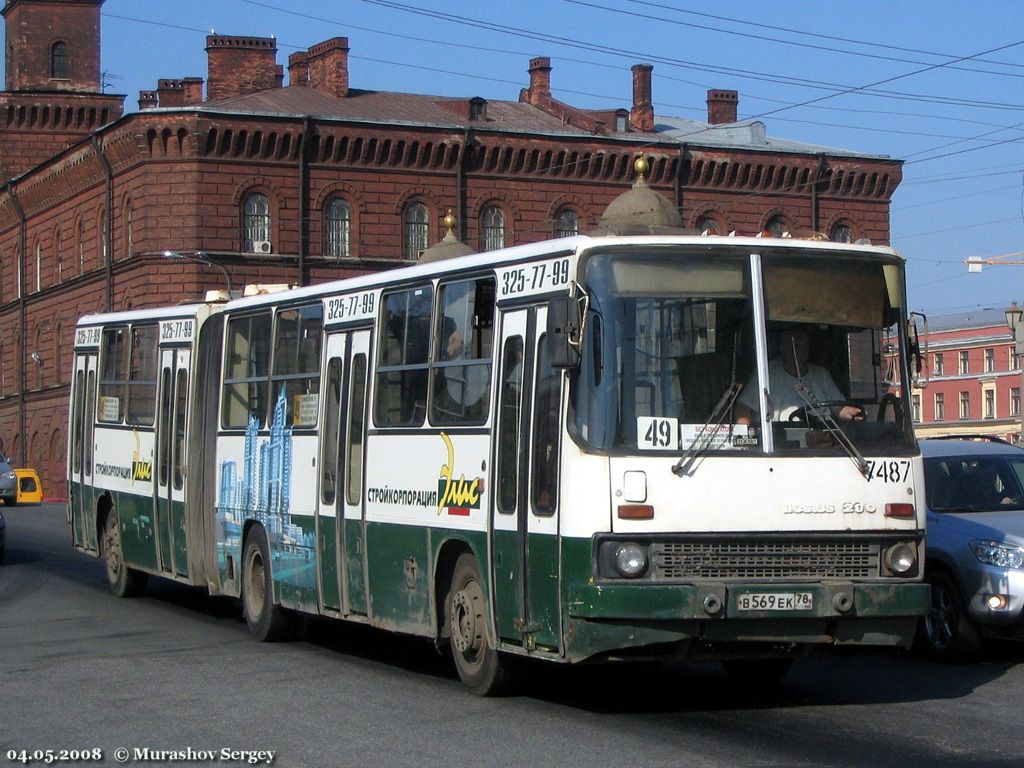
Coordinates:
<point>975,263</point>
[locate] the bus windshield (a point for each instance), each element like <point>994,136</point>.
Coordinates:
<point>673,343</point>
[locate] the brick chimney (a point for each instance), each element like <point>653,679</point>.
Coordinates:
<point>298,69</point>
<point>539,91</point>
<point>328,66</point>
<point>170,93</point>
<point>193,90</point>
<point>722,106</point>
<point>240,65</point>
<point>148,100</point>
<point>641,116</point>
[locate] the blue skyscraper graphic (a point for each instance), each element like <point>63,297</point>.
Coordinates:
<point>263,489</point>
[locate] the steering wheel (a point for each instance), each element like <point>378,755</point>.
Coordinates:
<point>803,416</point>
<point>897,406</point>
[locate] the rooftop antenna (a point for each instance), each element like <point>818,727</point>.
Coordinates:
<point>105,77</point>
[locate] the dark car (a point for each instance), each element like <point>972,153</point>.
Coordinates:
<point>8,482</point>
<point>975,560</point>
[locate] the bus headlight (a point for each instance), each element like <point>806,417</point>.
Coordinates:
<point>631,560</point>
<point>901,559</point>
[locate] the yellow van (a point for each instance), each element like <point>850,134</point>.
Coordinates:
<point>30,487</point>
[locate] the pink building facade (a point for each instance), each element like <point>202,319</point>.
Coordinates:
<point>972,384</point>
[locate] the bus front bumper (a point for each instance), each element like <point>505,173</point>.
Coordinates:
<point>607,617</point>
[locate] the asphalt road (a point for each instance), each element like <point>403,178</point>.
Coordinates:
<point>176,670</point>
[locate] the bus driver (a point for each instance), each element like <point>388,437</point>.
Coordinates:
<point>790,368</point>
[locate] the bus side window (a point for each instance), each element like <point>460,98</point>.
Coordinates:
<point>401,391</point>
<point>180,413</point>
<point>547,402</point>
<point>113,372</point>
<point>141,408</point>
<point>357,410</point>
<point>510,406</point>
<point>297,340</point>
<point>246,370</point>
<point>461,372</point>
<point>329,432</point>
<point>77,423</point>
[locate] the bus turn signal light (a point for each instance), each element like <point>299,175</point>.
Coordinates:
<point>899,510</point>
<point>636,512</point>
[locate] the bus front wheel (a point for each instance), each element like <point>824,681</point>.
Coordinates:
<point>124,581</point>
<point>267,621</point>
<point>481,668</point>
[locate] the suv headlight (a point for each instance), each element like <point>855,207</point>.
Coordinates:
<point>1001,555</point>
<point>8,476</point>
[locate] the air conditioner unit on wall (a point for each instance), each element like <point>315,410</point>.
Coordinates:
<point>261,246</point>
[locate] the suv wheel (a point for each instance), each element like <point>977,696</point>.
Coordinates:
<point>946,633</point>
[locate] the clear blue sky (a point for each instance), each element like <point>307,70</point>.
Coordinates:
<point>937,84</point>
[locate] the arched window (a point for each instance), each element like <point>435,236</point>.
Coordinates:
<point>415,230</point>
<point>567,223</point>
<point>337,229</point>
<point>58,246</point>
<point>709,224</point>
<point>101,229</point>
<point>129,215</point>
<point>58,353</point>
<point>841,233</point>
<point>60,61</point>
<point>777,226</point>
<point>80,246</point>
<point>256,223</point>
<point>492,228</point>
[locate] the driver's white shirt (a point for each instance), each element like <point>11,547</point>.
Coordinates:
<point>784,398</point>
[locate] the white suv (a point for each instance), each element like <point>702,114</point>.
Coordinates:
<point>975,547</point>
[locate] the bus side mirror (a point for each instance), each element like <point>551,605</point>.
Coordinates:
<point>917,347</point>
<point>564,333</point>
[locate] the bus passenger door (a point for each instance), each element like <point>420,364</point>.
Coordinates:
<point>329,535</point>
<point>353,453</point>
<point>80,453</point>
<point>525,515</point>
<point>340,508</point>
<point>169,470</point>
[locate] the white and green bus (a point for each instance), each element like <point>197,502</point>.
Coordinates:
<point>574,450</point>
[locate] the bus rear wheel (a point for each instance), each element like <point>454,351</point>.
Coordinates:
<point>267,621</point>
<point>124,581</point>
<point>480,666</point>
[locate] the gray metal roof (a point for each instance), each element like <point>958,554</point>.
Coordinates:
<point>512,116</point>
<point>976,318</point>
<point>743,134</point>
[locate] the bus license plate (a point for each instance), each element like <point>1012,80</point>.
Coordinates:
<point>775,601</point>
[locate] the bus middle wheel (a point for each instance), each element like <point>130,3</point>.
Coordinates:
<point>480,666</point>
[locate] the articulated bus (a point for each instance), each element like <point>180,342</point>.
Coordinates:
<point>577,450</point>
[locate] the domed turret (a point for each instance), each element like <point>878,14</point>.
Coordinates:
<point>640,211</point>
<point>449,247</point>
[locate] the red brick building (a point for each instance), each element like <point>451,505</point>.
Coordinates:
<point>318,179</point>
<point>974,378</point>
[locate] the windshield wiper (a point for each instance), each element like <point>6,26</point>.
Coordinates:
<point>824,415</point>
<point>722,407</point>
<point>705,435</point>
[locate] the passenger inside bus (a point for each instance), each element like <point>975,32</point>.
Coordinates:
<point>454,344</point>
<point>787,371</point>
